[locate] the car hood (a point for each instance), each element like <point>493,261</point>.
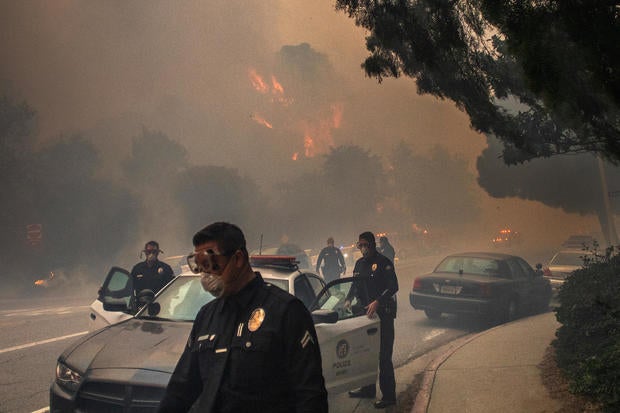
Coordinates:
<point>134,344</point>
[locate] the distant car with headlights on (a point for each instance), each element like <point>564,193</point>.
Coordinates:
<point>506,237</point>
<point>562,264</point>
<point>496,287</point>
<point>126,367</point>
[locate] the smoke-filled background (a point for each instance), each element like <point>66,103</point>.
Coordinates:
<point>122,122</point>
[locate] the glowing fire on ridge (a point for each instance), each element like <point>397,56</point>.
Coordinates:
<point>261,121</point>
<point>277,87</point>
<point>317,129</point>
<point>257,81</point>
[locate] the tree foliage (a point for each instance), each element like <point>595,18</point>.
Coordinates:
<point>82,216</point>
<point>541,76</point>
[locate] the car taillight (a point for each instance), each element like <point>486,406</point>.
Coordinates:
<point>417,284</point>
<point>485,290</point>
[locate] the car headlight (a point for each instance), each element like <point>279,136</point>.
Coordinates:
<point>67,378</point>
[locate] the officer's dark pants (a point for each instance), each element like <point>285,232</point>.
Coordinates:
<point>387,382</point>
<point>330,274</point>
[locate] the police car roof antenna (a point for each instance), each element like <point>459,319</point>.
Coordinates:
<point>260,246</point>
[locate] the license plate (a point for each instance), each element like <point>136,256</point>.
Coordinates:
<point>450,289</point>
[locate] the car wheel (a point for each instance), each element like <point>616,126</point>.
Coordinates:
<point>511,310</point>
<point>432,313</point>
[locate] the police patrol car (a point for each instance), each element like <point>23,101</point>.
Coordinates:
<point>126,366</point>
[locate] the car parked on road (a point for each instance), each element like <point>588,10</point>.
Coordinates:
<point>497,287</point>
<point>562,264</point>
<point>117,288</point>
<point>126,366</point>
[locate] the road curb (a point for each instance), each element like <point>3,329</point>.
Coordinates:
<point>423,398</point>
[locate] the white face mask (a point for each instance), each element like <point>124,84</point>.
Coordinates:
<point>211,284</point>
<point>151,258</point>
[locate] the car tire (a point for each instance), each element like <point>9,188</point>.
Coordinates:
<point>511,311</point>
<point>432,314</point>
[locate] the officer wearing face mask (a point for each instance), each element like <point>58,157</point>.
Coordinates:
<point>252,349</point>
<point>151,274</point>
<point>381,287</point>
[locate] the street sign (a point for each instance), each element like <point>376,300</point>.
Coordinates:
<point>34,234</point>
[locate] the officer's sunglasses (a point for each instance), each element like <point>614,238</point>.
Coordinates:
<point>203,260</point>
<point>361,245</point>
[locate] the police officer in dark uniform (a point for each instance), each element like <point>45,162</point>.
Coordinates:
<point>332,260</point>
<point>254,348</point>
<point>381,287</point>
<point>386,249</point>
<point>151,274</point>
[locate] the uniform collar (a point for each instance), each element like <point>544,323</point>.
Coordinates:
<point>243,298</point>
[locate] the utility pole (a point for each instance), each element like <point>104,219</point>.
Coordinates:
<point>610,232</point>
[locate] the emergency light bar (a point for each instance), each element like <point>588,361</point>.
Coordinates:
<point>287,262</point>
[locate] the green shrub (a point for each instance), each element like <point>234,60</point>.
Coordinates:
<point>588,340</point>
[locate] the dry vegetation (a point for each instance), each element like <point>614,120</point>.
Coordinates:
<point>558,387</point>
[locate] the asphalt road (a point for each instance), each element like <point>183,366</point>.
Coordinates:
<point>36,330</point>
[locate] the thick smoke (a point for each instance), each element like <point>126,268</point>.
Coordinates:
<point>570,182</point>
<point>245,95</point>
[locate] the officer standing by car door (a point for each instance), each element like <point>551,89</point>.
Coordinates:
<point>382,286</point>
<point>254,348</point>
<point>151,274</point>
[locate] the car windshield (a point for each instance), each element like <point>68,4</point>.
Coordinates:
<point>469,265</point>
<point>283,284</point>
<point>568,258</point>
<point>180,301</point>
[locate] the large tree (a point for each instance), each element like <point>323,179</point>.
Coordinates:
<point>542,76</point>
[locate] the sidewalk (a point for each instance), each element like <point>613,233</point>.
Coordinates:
<point>491,371</point>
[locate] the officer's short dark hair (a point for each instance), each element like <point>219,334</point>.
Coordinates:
<point>370,237</point>
<point>330,240</point>
<point>154,244</point>
<point>229,237</point>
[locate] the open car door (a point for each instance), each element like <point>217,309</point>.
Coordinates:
<point>350,346</point>
<point>115,300</point>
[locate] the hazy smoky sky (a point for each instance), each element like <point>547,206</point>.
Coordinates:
<point>188,69</point>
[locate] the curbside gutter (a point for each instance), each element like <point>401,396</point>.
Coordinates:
<point>423,398</point>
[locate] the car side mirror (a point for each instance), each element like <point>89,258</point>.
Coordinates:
<point>144,297</point>
<point>153,309</point>
<point>539,270</point>
<point>324,316</point>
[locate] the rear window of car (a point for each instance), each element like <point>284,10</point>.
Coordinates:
<point>568,258</point>
<point>469,265</point>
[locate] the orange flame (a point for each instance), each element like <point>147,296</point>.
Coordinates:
<point>44,283</point>
<point>277,87</point>
<point>308,146</point>
<point>257,81</point>
<point>295,156</point>
<point>261,121</point>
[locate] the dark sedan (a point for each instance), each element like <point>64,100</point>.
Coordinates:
<point>497,287</point>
